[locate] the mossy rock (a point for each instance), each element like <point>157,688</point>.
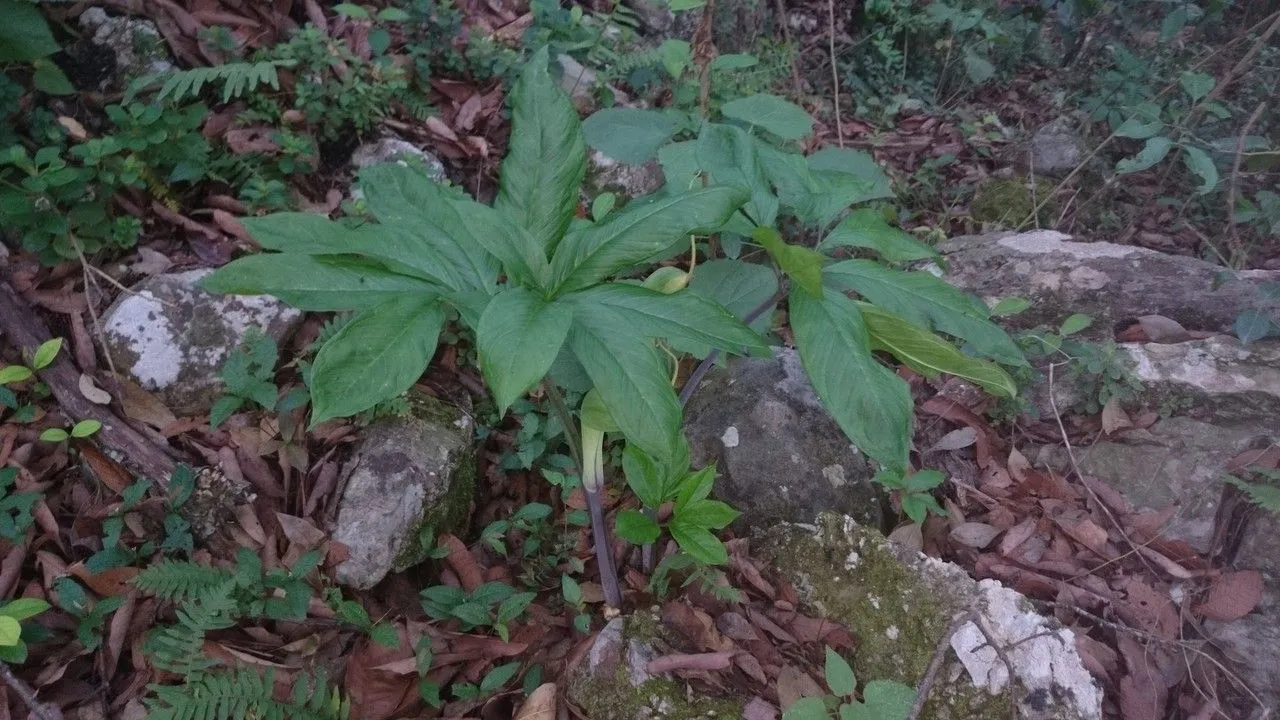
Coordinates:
<point>1008,202</point>
<point>411,476</point>
<point>899,605</point>
<point>617,687</point>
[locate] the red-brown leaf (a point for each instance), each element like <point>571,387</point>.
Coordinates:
<point>1232,596</point>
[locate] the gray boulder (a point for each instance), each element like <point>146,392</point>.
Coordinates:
<point>1111,283</point>
<point>410,477</point>
<point>781,456</point>
<point>1217,379</point>
<point>172,337</point>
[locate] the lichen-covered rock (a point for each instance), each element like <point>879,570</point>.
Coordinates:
<point>172,337</point>
<point>1217,379</point>
<point>1109,282</point>
<point>604,174</point>
<point>393,149</point>
<point>411,476</point>
<point>136,45</point>
<point>1178,461</point>
<point>900,605</point>
<point>781,456</point>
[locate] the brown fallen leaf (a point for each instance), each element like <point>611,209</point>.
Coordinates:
<point>1114,417</point>
<point>142,406</point>
<point>1160,329</point>
<point>462,561</point>
<point>1232,596</point>
<point>108,471</point>
<point>974,534</point>
<point>111,582</point>
<point>793,684</point>
<point>541,704</point>
<point>758,709</point>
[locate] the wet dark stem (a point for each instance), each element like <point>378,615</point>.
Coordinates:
<point>599,531</point>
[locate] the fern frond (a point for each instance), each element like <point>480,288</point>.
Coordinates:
<point>1263,495</point>
<point>180,648</point>
<point>236,78</point>
<point>625,63</point>
<point>243,693</point>
<point>178,580</point>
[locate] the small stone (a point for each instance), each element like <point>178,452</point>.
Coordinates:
<point>604,174</point>
<point>639,655</point>
<point>577,80</point>
<point>393,149</point>
<point>410,474</point>
<point>1055,149</point>
<point>172,337</point>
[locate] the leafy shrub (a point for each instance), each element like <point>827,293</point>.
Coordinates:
<point>57,200</point>
<point>333,101</point>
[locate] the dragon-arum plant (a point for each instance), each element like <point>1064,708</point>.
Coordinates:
<point>535,284</point>
<point>547,297</point>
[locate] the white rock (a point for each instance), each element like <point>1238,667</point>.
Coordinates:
<point>172,337</point>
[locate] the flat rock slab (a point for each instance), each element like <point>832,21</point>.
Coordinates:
<point>1216,378</point>
<point>781,456</point>
<point>1112,283</point>
<point>900,604</point>
<point>408,475</point>
<point>172,337</point>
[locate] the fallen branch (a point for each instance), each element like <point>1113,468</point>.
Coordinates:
<point>25,329</point>
<point>43,711</point>
<point>935,664</point>
<point>696,661</point>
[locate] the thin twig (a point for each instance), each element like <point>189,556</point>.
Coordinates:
<point>1233,236</point>
<point>935,664</point>
<point>89,284</point>
<point>1075,466</point>
<point>44,711</point>
<point>1236,70</point>
<point>835,76</point>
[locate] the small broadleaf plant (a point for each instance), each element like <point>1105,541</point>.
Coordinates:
<point>881,699</point>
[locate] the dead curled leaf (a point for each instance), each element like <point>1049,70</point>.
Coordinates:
<point>541,704</point>
<point>1114,417</point>
<point>92,392</point>
<point>975,534</point>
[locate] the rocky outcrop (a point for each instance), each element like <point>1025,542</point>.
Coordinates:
<point>1112,283</point>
